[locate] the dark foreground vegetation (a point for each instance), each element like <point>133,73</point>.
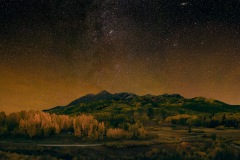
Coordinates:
<point>124,126</point>
<point>169,144</point>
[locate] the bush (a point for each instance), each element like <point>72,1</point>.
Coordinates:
<point>214,136</point>
<point>117,133</point>
<point>220,128</point>
<point>3,131</point>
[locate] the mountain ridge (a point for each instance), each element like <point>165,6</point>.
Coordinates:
<point>124,102</point>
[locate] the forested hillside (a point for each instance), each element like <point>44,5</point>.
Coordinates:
<point>120,109</point>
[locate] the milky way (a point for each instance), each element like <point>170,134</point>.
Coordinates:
<point>55,51</point>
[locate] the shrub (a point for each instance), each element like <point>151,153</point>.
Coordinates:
<point>220,128</point>
<point>117,133</point>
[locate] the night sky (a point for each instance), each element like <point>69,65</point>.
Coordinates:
<point>52,51</point>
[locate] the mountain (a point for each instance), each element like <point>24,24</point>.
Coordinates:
<point>129,103</point>
<point>101,96</point>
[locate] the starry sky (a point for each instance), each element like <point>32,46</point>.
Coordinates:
<point>54,51</point>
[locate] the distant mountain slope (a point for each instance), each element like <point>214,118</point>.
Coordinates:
<point>128,103</point>
<point>103,95</point>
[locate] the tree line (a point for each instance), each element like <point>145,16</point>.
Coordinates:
<point>228,120</point>
<point>37,124</point>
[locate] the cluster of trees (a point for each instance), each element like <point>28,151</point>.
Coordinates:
<point>41,124</point>
<point>211,121</point>
<point>34,124</point>
<point>223,119</point>
<point>181,119</point>
<point>114,120</point>
<point>87,127</point>
<point>136,131</point>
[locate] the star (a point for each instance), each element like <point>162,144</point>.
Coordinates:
<point>184,4</point>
